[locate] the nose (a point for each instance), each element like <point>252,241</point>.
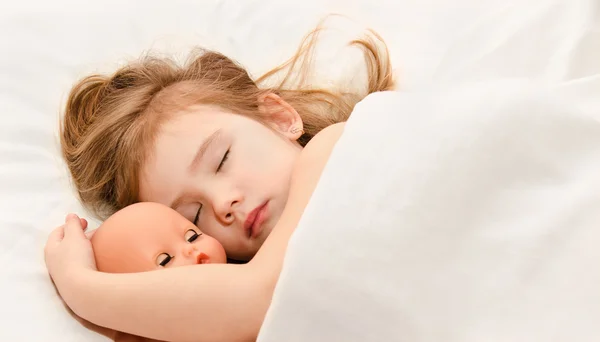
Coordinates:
<point>189,249</point>
<point>225,206</point>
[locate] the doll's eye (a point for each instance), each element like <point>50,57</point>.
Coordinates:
<point>163,259</point>
<point>191,235</point>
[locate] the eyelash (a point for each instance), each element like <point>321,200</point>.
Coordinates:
<point>195,221</point>
<point>166,260</point>
<point>223,160</point>
<point>193,237</point>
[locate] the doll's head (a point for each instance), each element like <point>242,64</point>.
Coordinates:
<point>149,236</point>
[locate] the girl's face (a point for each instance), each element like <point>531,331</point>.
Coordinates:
<point>227,173</point>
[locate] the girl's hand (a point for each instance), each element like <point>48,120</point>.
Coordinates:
<point>69,254</point>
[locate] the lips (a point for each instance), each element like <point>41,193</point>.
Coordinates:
<point>202,259</point>
<point>252,225</point>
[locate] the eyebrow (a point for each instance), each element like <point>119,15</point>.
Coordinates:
<point>202,150</point>
<point>206,144</point>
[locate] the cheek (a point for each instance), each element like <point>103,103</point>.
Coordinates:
<point>221,235</point>
<point>267,162</point>
<point>146,266</point>
<point>183,262</point>
<point>217,253</point>
<point>278,171</point>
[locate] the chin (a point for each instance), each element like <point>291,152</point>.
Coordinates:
<point>264,234</point>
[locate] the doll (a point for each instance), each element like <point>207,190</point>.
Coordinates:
<point>150,236</point>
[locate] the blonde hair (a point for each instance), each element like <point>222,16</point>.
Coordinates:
<point>110,121</point>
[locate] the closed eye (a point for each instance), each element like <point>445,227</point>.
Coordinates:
<point>195,220</point>
<point>191,235</point>
<point>223,160</point>
<point>163,259</point>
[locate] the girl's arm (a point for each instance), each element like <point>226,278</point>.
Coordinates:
<point>215,302</point>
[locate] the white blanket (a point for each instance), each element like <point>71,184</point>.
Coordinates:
<point>467,210</point>
<point>464,214</point>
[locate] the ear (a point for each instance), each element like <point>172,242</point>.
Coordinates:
<point>281,116</point>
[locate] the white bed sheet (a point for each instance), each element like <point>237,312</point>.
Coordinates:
<point>46,46</point>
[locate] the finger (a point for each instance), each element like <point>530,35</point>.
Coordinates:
<point>56,235</point>
<point>54,238</point>
<point>69,216</point>
<point>90,233</point>
<point>73,228</point>
<point>84,223</point>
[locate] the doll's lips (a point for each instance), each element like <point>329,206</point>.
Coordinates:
<point>202,258</point>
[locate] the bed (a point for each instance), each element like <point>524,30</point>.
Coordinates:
<point>46,46</point>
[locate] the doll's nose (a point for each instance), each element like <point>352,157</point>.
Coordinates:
<point>189,249</point>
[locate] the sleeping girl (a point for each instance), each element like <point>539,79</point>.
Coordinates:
<point>235,155</point>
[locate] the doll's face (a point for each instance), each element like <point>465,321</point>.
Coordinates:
<point>150,236</point>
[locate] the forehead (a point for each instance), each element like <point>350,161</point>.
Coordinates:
<point>200,119</point>
<point>152,226</point>
<point>130,240</point>
<point>200,115</point>
<point>154,234</point>
<point>175,146</point>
